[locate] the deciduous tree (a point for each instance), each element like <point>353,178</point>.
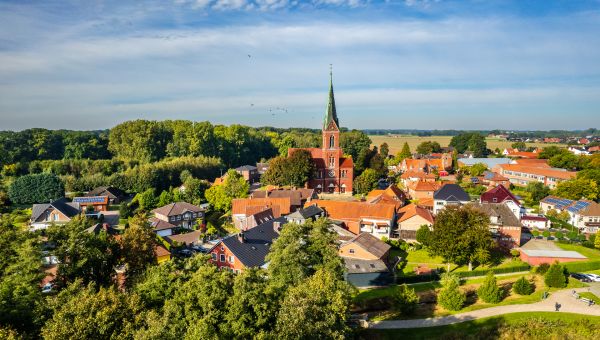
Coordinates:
<point>38,188</point>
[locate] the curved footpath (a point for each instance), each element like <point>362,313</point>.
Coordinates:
<point>564,297</point>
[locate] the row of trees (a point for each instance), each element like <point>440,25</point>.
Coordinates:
<point>301,295</point>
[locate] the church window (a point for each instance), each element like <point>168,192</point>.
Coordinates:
<point>331,161</point>
<point>331,141</point>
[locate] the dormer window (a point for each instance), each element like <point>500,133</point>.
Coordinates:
<point>495,200</point>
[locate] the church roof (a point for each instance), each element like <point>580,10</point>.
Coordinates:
<point>330,114</point>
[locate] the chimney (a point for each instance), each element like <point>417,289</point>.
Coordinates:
<point>241,237</point>
<point>277,226</point>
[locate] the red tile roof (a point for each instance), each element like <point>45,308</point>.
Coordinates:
<point>500,193</point>
<point>239,205</point>
<point>413,210</point>
<point>547,172</point>
<point>342,210</point>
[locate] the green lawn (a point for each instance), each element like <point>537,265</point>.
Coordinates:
<point>590,296</point>
<point>592,254</point>
<point>535,326</point>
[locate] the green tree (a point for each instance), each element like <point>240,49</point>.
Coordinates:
<point>461,235</point>
<point>521,146</point>
<point>87,314</point>
<point>405,299</point>
<point>137,244</point>
<point>546,233</point>
<point>577,188</point>
<point>489,291</point>
<point>470,141</point>
<point>537,190</point>
<point>140,140</point>
<point>234,186</point>
<point>405,152</point>
<point>195,190</point>
<point>165,197</point>
<point>428,147</point>
<point>424,235</point>
<point>450,296</point>
<point>352,142</point>
<point>146,200</point>
<point>384,150</point>
<point>551,151</point>
<point>38,188</point>
<point>555,276</point>
<point>294,170</point>
<point>477,169</point>
<point>252,307</point>
<point>366,182</point>
<point>83,255</point>
<point>377,163</point>
<point>559,235</point>
<point>597,242</point>
<point>315,309</point>
<point>522,286</point>
<point>300,250</point>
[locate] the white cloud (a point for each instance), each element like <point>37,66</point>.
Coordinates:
<point>229,4</point>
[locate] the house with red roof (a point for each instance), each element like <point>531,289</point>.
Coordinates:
<point>501,194</point>
<point>168,218</point>
<point>410,219</point>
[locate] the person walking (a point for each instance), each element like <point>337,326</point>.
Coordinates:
<point>556,306</point>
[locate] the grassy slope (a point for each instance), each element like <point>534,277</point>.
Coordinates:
<point>592,254</point>
<point>471,328</point>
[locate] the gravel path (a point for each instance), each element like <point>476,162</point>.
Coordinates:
<point>568,304</point>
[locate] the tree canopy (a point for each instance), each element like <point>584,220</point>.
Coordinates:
<point>470,141</point>
<point>294,170</point>
<point>39,188</point>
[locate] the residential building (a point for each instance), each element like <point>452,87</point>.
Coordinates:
<point>243,210</point>
<point>59,211</point>
<point>410,219</point>
<point>535,222</point>
<point>115,195</point>
<point>334,173</point>
<point>249,172</point>
<point>366,260</point>
<point>391,195</point>
<point>585,215</point>
<point>501,194</point>
<point>162,254</point>
<point>505,227</point>
<point>413,176</point>
<point>190,239</point>
<point>522,175</point>
<point>422,190</point>
<point>489,162</point>
<point>262,168</point>
<point>427,165</point>
<point>301,216</point>
<point>360,217</point>
<point>167,219</point>
<point>95,203</point>
<point>554,203</point>
<point>247,249</point>
<point>578,151</point>
<point>298,197</point>
<point>449,194</point>
<point>492,179</point>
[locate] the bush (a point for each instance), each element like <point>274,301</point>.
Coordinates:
<point>535,233</point>
<point>542,268</point>
<point>405,299</point>
<point>40,188</point>
<point>546,234</point>
<point>522,286</point>
<point>559,235</point>
<point>423,235</point>
<point>450,297</point>
<point>515,253</point>
<point>582,266</point>
<point>505,270</point>
<point>489,291</point>
<point>555,277</point>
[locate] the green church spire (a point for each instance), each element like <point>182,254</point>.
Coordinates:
<point>330,114</point>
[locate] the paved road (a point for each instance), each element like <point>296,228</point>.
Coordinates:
<point>568,302</point>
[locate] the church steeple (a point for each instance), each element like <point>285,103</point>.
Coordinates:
<point>330,114</point>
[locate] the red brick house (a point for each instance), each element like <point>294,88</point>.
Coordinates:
<point>504,225</point>
<point>334,173</point>
<point>247,249</point>
<point>501,194</point>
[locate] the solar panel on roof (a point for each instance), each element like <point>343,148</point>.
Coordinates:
<point>93,199</point>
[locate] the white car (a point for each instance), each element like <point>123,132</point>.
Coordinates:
<point>47,288</point>
<point>593,277</point>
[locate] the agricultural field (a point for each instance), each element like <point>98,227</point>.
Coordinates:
<point>395,142</point>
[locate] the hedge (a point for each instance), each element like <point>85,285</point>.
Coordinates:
<point>582,266</point>
<point>417,278</point>
<point>483,272</point>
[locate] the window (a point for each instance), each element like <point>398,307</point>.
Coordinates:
<point>56,217</point>
<point>351,251</point>
<point>331,142</point>
<point>331,161</point>
<point>222,258</point>
<point>179,218</point>
<point>194,215</point>
<point>214,256</point>
<point>494,200</point>
<point>222,248</point>
<point>231,259</point>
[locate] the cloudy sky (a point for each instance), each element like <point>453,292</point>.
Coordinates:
<point>480,64</point>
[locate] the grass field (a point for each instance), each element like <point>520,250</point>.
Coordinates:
<point>396,142</point>
<point>540,325</point>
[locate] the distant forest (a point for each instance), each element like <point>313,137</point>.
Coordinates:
<point>511,133</point>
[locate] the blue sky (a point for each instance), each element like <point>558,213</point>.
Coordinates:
<point>421,64</point>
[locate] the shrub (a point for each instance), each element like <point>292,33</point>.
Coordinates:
<point>572,235</point>
<point>489,291</point>
<point>522,286</point>
<point>555,276</point>
<point>535,233</point>
<point>559,235</point>
<point>546,234</point>
<point>542,268</point>
<point>582,266</point>
<point>423,235</point>
<point>405,299</point>
<point>515,253</point>
<point>450,297</point>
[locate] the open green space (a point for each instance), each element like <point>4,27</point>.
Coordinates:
<point>396,142</point>
<point>541,325</point>
<point>591,254</point>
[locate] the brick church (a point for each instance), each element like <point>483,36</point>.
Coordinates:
<point>334,172</point>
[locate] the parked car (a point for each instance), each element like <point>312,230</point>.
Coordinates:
<point>185,253</point>
<point>581,277</point>
<point>593,277</point>
<point>47,288</point>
